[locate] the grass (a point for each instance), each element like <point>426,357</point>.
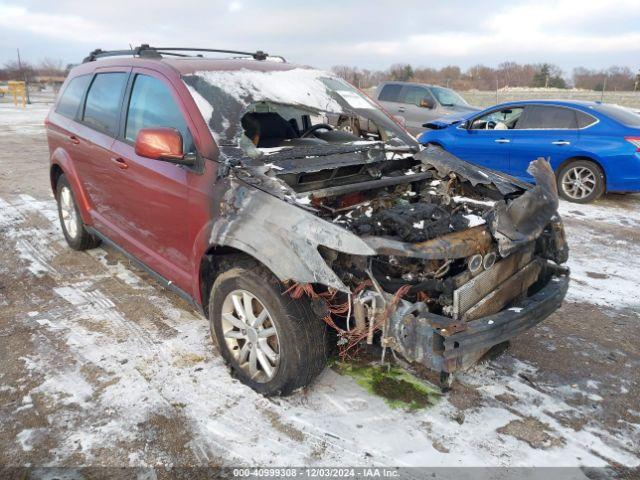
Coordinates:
<point>397,387</point>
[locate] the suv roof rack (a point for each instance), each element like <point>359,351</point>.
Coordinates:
<point>147,51</point>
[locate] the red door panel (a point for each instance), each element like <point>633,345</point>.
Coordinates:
<point>151,199</point>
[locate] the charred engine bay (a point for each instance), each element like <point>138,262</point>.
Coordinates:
<point>427,222</point>
<point>414,212</point>
<point>396,199</point>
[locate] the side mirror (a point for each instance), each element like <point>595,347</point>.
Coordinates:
<point>427,103</point>
<point>466,124</point>
<point>162,144</point>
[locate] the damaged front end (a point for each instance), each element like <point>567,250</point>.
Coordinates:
<point>435,258</point>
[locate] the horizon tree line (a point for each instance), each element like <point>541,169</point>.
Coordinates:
<point>477,77</point>
<point>507,74</point>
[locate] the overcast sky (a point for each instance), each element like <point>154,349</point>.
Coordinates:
<point>370,34</point>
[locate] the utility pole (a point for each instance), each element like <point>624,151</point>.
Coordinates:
<point>604,86</point>
<point>497,91</point>
<point>24,75</point>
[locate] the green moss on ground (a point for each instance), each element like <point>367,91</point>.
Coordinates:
<point>396,386</point>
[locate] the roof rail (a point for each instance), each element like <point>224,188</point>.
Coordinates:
<point>146,51</point>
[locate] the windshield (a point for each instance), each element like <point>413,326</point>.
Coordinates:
<point>260,111</point>
<point>620,114</point>
<point>448,98</point>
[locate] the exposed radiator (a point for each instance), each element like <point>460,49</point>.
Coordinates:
<point>471,293</point>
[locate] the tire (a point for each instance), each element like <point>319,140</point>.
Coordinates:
<point>300,340</point>
<point>72,227</point>
<point>580,181</point>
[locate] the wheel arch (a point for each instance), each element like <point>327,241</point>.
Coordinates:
<point>54,174</point>
<point>576,158</point>
<point>62,164</point>
<point>211,264</point>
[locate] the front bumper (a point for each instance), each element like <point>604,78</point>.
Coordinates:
<point>447,346</point>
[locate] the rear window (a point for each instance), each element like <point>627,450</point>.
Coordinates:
<point>390,93</point>
<point>102,107</point>
<point>72,96</point>
<point>584,119</point>
<point>619,114</point>
<point>547,117</point>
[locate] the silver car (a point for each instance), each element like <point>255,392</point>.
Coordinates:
<point>413,104</point>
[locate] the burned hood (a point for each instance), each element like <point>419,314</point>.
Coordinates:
<point>461,210</point>
<point>523,219</point>
<point>524,211</point>
<point>446,163</point>
<point>223,97</point>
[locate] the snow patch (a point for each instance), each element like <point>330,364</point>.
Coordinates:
<point>460,199</point>
<point>474,220</point>
<point>299,86</point>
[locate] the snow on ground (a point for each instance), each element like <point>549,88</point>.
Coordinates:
<point>604,270</point>
<point>335,423</point>
<point>23,121</point>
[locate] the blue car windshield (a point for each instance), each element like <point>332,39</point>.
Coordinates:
<point>619,114</point>
<point>448,98</point>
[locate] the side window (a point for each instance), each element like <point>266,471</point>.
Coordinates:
<point>72,96</point>
<point>547,117</point>
<point>504,119</point>
<point>585,120</point>
<point>152,105</point>
<point>413,95</point>
<point>102,107</point>
<point>390,93</point>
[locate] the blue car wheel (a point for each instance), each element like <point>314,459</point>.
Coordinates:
<point>580,181</point>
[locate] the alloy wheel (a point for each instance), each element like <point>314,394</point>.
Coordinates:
<point>579,182</point>
<point>250,335</point>
<point>68,212</point>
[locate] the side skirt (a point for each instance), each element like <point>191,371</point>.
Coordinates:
<point>143,266</point>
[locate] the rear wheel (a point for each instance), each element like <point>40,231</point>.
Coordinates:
<point>273,343</point>
<point>73,229</point>
<point>581,181</point>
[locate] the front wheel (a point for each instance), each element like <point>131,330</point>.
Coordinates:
<point>273,343</point>
<point>581,181</point>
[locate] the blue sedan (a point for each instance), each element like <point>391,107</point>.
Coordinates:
<point>593,147</point>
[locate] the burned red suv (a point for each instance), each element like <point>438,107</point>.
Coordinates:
<point>225,179</point>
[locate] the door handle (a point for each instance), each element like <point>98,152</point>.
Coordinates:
<point>502,140</point>
<point>120,162</point>
<point>561,142</point>
<point>75,140</point>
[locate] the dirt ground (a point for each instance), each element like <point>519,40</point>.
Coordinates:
<point>100,366</point>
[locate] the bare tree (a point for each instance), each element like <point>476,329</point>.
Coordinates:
<point>617,78</point>
<point>482,77</point>
<point>51,67</point>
